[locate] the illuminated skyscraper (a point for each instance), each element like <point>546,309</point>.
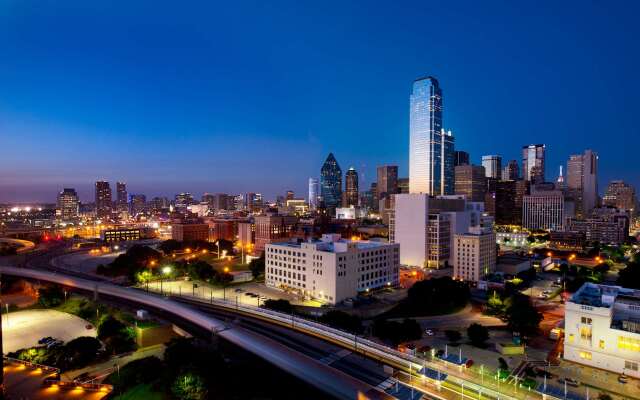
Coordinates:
<point>121,196</point>
<point>533,163</point>
<point>492,166</point>
<point>425,137</point>
<point>582,181</point>
<point>351,188</point>
<point>68,205</point>
<point>511,171</point>
<point>314,189</point>
<point>103,199</point>
<point>331,183</point>
<point>387,182</point>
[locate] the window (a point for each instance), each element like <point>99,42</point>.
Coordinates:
<point>601,345</point>
<point>571,338</point>
<point>627,343</point>
<point>631,365</point>
<point>585,333</point>
<point>586,320</point>
<point>585,355</point>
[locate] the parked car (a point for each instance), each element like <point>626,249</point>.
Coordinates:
<point>469,363</point>
<point>623,378</point>
<point>429,332</point>
<point>45,340</point>
<point>569,382</point>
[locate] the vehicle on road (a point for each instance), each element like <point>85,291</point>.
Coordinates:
<point>623,378</point>
<point>429,332</point>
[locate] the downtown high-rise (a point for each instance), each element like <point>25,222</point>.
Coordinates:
<point>582,182</point>
<point>331,183</point>
<point>533,163</point>
<point>351,188</point>
<point>431,149</point>
<point>314,193</point>
<point>103,199</point>
<point>68,205</point>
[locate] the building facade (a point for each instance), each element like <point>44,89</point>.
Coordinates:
<point>314,193</point>
<point>471,182</point>
<point>331,183</point>
<point>511,171</point>
<point>190,232</point>
<point>602,328</point>
<point>68,205</point>
<point>544,210</point>
<point>622,196</point>
<point>533,163</point>
<point>351,188</point>
<point>121,197</point>
<point>460,158</point>
<point>582,181</point>
<point>492,166</point>
<point>331,269</point>
<point>103,200</point>
<point>272,228</point>
<point>387,180</point>
<point>605,225</point>
<point>431,149</point>
<point>474,254</point>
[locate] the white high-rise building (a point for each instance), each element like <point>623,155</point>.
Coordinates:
<point>331,269</point>
<point>602,328</point>
<point>545,210</point>
<point>425,226</point>
<point>431,149</point>
<point>492,166</point>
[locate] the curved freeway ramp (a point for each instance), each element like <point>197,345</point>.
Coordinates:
<point>325,378</point>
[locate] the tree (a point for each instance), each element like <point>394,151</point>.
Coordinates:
<point>116,335</point>
<point>478,334</point>
<point>257,266</point>
<point>453,336</point>
<point>200,270</point>
<point>342,320</point>
<point>436,295</point>
<point>189,386</point>
<point>279,305</point>
<point>79,352</point>
<point>521,316</point>
<point>397,332</point>
<point>629,276</point>
<point>50,296</point>
<point>169,246</point>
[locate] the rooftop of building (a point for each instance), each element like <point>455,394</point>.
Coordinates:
<point>512,259</point>
<point>334,243</point>
<point>594,295</point>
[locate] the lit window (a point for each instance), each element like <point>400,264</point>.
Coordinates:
<point>601,345</point>
<point>585,355</point>
<point>627,343</point>
<point>571,338</point>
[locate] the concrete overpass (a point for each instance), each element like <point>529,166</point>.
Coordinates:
<point>325,378</point>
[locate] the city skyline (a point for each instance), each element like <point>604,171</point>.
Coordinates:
<point>114,125</point>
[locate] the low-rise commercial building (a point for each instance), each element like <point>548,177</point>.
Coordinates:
<point>331,269</point>
<point>190,232</point>
<point>120,235</point>
<point>605,225</point>
<point>474,254</point>
<point>602,328</point>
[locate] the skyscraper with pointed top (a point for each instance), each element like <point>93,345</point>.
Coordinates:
<point>331,183</point>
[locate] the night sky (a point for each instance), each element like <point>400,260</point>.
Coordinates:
<point>252,96</point>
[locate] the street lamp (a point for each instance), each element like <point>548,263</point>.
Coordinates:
<point>224,284</point>
<point>165,271</point>
<point>218,244</point>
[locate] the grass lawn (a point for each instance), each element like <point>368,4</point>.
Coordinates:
<point>144,391</point>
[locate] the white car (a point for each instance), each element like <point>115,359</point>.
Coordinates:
<point>428,332</point>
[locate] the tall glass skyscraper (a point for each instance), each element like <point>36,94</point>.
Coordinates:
<point>351,188</point>
<point>331,183</point>
<point>431,150</point>
<point>533,163</point>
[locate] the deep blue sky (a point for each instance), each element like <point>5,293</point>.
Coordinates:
<point>237,97</point>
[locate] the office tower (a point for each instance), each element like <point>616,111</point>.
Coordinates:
<point>511,171</point>
<point>470,182</point>
<point>103,199</point>
<point>331,269</point>
<point>447,168</point>
<point>138,203</point>
<point>159,203</point>
<point>68,207</point>
<point>387,182</point>
<point>314,193</point>
<point>546,210</point>
<point>460,158</point>
<point>582,181</point>
<point>183,200</point>
<point>621,195</point>
<point>403,185</point>
<point>208,198</point>
<point>367,200</point>
<point>504,202</point>
<point>604,225</point>
<point>560,183</point>
<point>222,201</point>
<point>331,183</point>
<point>474,254</point>
<point>253,202</point>
<point>492,166</point>
<point>351,188</point>
<point>290,195</point>
<point>121,197</point>
<point>431,150</point>
<point>533,163</point>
